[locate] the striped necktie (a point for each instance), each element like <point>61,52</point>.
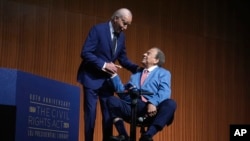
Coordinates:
<point>143,77</point>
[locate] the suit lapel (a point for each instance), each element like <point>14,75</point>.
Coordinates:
<point>108,34</point>
<point>150,76</point>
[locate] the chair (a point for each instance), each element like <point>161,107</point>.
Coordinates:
<point>134,121</point>
<point>143,125</point>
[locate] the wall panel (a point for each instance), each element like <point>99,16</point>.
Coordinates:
<point>205,44</point>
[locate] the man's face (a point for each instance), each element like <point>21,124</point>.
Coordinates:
<point>148,59</point>
<point>121,23</point>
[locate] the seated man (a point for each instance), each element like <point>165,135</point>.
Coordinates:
<point>157,105</point>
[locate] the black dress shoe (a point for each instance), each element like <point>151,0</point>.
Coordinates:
<point>146,138</point>
<point>119,138</point>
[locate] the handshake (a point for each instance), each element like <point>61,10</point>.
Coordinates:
<point>111,68</point>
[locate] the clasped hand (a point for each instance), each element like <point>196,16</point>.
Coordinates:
<point>111,68</point>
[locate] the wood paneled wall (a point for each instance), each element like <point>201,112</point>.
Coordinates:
<point>205,44</point>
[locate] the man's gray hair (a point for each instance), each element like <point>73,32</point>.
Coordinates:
<point>161,56</point>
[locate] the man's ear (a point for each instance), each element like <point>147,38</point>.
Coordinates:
<point>156,61</point>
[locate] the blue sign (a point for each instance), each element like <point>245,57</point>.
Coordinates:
<point>46,109</point>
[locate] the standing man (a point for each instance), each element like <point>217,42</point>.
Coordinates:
<point>104,45</point>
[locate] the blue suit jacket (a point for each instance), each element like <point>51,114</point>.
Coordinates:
<point>158,82</point>
<point>97,50</point>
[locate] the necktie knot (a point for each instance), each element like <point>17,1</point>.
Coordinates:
<point>145,71</point>
<point>116,34</point>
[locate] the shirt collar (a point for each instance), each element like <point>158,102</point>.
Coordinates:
<point>111,29</point>
<point>152,68</point>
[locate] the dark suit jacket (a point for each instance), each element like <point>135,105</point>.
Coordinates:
<point>97,50</point>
